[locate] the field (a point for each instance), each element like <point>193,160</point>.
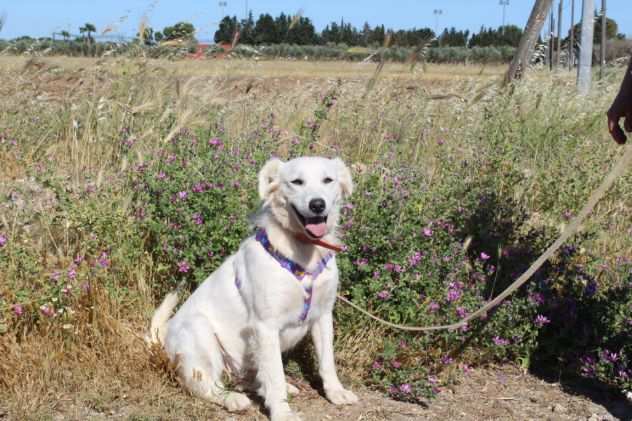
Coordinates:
<point>460,185</point>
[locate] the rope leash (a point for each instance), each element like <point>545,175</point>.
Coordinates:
<point>617,171</point>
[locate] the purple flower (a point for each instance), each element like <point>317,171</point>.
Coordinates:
<point>376,365</point>
<point>55,276</point>
<point>161,175</point>
<point>611,357</point>
<point>78,260</point>
<point>18,310</point>
<point>588,366</point>
<point>103,260</point>
<point>536,298</point>
<point>405,388</point>
<point>541,320</point>
<point>427,232</point>
<point>361,262</point>
<point>47,310</point>
<point>414,259</point>
<point>72,272</point>
<point>447,360</point>
<point>183,266</point>
<point>217,142</point>
<point>197,219</point>
<point>453,295</point>
<point>389,267</point>
<point>396,364</point>
<point>461,312</point>
<point>498,341</point>
<point>183,195</point>
<point>3,240</point>
<point>384,295</point>
<point>485,256</point>
<point>376,274</point>
<point>433,306</point>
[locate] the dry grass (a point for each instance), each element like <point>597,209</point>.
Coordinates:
<point>68,114</point>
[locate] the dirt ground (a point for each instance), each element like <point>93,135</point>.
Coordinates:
<point>502,393</point>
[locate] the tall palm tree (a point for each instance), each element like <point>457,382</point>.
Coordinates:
<point>65,35</point>
<point>88,29</point>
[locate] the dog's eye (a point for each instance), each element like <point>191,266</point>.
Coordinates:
<point>297,182</point>
<point>327,180</point>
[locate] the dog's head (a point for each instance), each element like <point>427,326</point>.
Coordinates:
<point>305,194</point>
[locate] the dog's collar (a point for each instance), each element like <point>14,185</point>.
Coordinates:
<point>296,269</point>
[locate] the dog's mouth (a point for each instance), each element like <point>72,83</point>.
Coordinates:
<point>314,226</point>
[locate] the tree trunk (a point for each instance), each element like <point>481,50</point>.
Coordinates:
<point>604,39</point>
<point>584,74</point>
<point>529,38</point>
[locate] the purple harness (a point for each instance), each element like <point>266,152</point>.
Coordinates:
<point>294,268</point>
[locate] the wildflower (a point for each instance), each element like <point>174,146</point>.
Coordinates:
<point>216,141</point>
<point>427,232</point>
<point>541,320</point>
<point>376,365</point>
<point>183,266</point>
<point>78,259</point>
<point>396,364</point>
<point>405,388</point>
<point>591,289</point>
<point>588,366</point>
<point>440,142</point>
<point>398,269</point>
<point>536,298</point>
<point>376,274</point>
<point>361,262</point>
<point>47,310</point>
<point>3,240</point>
<point>103,260</point>
<point>183,195</point>
<point>611,357</point>
<point>171,158</point>
<point>55,276</point>
<point>485,256</point>
<point>66,290</point>
<point>461,312</point>
<point>498,341</point>
<point>414,259</point>
<point>72,272</point>
<point>433,306</point>
<point>389,267</point>
<point>453,295</point>
<point>447,360</point>
<point>197,219</point>
<point>18,310</point>
<point>161,175</point>
<point>384,295</point>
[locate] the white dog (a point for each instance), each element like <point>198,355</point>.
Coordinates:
<point>263,299</point>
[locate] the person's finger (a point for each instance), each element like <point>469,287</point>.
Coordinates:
<point>628,122</point>
<point>615,130</point>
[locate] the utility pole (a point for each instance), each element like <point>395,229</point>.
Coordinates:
<point>222,5</point>
<point>604,39</point>
<point>584,72</point>
<point>552,40</point>
<point>528,40</point>
<point>437,13</point>
<point>559,34</point>
<point>246,16</point>
<point>571,44</point>
<point>504,4</point>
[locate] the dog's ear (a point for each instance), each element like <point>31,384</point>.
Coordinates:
<point>269,177</point>
<point>344,177</point>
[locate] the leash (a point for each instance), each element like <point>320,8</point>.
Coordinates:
<point>619,169</point>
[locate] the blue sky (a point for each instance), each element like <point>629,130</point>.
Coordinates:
<point>42,17</point>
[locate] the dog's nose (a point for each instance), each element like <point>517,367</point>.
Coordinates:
<point>317,205</point>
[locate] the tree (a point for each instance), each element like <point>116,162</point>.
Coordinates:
<point>227,28</point>
<point>158,36</point>
<point>88,29</point>
<point>612,29</point>
<point>148,37</point>
<point>266,31</point>
<point>65,35</point>
<point>180,31</point>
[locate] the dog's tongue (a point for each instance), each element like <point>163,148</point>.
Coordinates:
<point>317,230</point>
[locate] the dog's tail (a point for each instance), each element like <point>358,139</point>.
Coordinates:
<point>158,328</point>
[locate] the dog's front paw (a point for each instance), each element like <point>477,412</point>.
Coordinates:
<point>341,396</point>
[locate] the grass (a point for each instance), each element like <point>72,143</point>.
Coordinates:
<point>64,180</point>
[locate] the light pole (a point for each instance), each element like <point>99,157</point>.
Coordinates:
<point>437,13</point>
<point>504,4</point>
<point>222,5</point>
